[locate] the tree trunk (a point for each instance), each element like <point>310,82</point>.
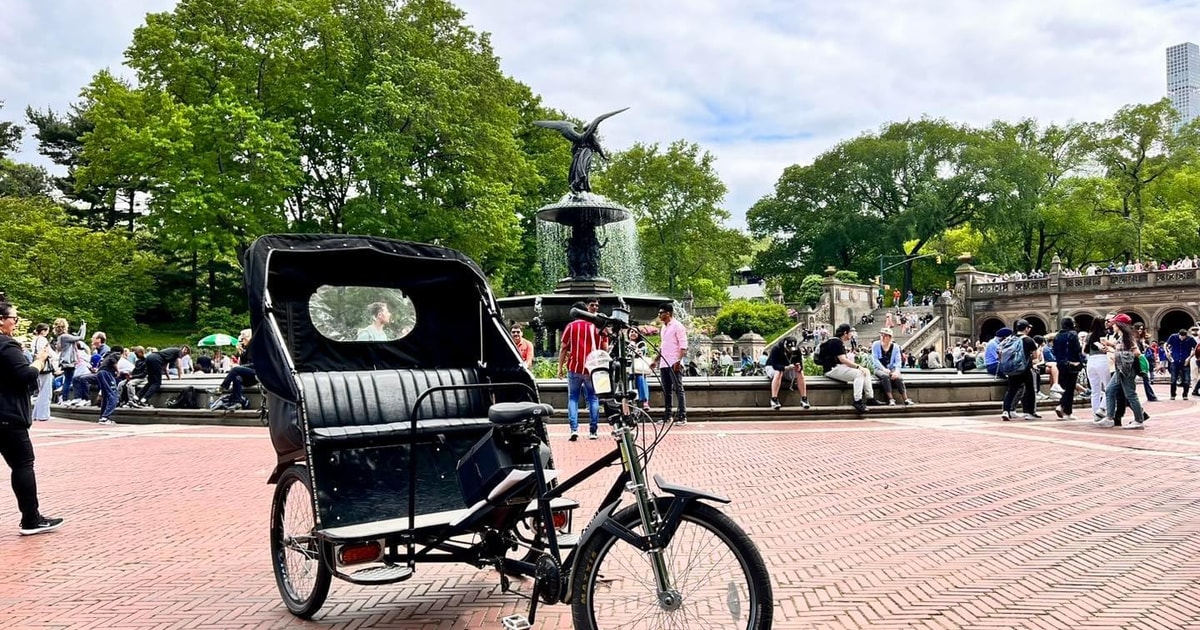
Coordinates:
<point>212,282</point>
<point>194,309</point>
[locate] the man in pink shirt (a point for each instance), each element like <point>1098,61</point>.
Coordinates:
<point>672,348</point>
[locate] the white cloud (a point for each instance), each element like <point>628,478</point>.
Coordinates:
<point>762,84</point>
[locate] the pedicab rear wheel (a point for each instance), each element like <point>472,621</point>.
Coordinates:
<point>296,555</point>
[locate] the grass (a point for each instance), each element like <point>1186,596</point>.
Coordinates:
<point>157,338</point>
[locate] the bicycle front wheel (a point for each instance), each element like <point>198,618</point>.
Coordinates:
<point>715,569</point>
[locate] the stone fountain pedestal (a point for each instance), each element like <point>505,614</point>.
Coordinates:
<point>584,213</point>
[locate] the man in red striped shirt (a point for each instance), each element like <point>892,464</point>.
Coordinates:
<point>579,339</point>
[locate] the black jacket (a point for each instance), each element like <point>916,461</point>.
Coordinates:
<point>18,381</point>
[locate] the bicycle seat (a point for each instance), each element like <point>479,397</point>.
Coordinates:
<point>504,414</point>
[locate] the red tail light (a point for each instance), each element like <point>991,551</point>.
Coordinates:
<point>560,519</point>
<point>358,553</point>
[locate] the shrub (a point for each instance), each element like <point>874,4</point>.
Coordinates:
<point>765,318</point>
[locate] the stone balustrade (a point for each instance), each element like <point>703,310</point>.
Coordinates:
<point>983,287</point>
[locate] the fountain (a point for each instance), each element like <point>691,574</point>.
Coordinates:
<point>584,214</point>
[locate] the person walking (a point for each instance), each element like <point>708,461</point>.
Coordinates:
<point>1026,378</point>
<point>18,379</point>
<point>1179,349</point>
<point>1068,354</point>
<point>670,362</point>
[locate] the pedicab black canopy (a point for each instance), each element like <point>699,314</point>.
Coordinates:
<point>325,292</point>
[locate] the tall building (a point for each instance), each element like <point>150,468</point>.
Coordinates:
<point>1183,80</point>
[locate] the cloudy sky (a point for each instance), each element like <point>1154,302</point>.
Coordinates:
<point>762,84</point>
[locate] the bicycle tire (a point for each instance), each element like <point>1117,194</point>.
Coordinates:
<point>301,600</point>
<point>748,609</point>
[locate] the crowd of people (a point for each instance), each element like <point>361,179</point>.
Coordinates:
<point>79,373</point>
<point>1132,266</point>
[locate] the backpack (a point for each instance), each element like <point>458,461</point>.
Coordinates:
<point>1012,356</point>
<point>185,400</point>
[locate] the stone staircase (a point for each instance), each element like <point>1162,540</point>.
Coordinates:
<point>868,333</point>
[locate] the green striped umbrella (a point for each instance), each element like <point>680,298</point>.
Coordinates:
<point>218,339</point>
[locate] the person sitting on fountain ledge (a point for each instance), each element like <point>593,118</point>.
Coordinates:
<point>784,357</point>
<point>839,365</point>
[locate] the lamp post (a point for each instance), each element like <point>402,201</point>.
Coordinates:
<point>906,258</point>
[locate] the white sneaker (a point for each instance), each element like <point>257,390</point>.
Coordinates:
<point>1042,396</point>
<point>1104,423</point>
<point>1133,425</point>
<point>574,436</point>
<point>908,402</point>
<point>1004,415</point>
<point>1056,389</point>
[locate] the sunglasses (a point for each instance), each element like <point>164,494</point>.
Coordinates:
<point>516,332</point>
<point>12,317</point>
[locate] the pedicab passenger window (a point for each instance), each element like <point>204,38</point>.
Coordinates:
<point>362,314</point>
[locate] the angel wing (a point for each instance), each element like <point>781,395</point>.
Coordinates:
<point>565,127</point>
<point>591,128</point>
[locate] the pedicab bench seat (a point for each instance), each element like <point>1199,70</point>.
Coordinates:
<point>375,405</point>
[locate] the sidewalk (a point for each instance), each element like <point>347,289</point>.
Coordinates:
<point>913,522</point>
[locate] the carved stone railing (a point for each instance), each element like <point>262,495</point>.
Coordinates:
<point>1080,283</point>
<point>1175,277</point>
<point>989,288</point>
<point>1038,285</point>
<point>1123,280</point>
<point>926,336</point>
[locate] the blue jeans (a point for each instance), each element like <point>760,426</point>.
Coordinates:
<point>68,376</point>
<point>1181,375</point>
<point>643,387</point>
<point>574,382</point>
<point>108,393</point>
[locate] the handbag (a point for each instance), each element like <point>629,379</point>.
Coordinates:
<point>641,365</point>
<point>1144,364</point>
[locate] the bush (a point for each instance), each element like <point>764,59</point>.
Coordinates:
<point>545,368</point>
<point>221,320</point>
<point>765,318</point>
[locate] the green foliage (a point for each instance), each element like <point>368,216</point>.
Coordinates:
<point>23,180</point>
<point>544,368</point>
<point>220,319</point>
<point>676,196</point>
<point>741,316</point>
<point>810,290</point>
<point>847,276</point>
<point>10,136</point>
<point>55,270</point>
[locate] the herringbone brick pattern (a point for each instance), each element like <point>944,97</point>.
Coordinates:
<point>912,523</point>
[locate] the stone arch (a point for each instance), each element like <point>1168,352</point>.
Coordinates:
<point>989,326</point>
<point>1037,324</point>
<point>1172,321</point>
<point>1084,320</point>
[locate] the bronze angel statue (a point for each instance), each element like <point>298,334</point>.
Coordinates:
<point>583,144</point>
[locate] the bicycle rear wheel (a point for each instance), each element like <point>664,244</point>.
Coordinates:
<point>300,572</point>
<point>715,568</point>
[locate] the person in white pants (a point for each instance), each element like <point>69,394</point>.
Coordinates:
<point>839,365</point>
<point>1098,369</point>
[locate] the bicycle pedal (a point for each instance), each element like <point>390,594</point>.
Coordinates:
<point>516,622</point>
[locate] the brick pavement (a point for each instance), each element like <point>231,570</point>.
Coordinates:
<point>905,523</point>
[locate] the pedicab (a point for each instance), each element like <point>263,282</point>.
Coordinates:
<point>408,432</point>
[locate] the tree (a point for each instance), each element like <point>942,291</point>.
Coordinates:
<point>60,138</point>
<point>1136,147</point>
<point>675,195</point>
<point>1024,166</point>
<point>365,116</point>
<point>53,269</point>
<point>10,136</point>
<point>871,195</point>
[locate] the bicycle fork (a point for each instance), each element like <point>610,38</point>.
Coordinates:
<point>668,597</point>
